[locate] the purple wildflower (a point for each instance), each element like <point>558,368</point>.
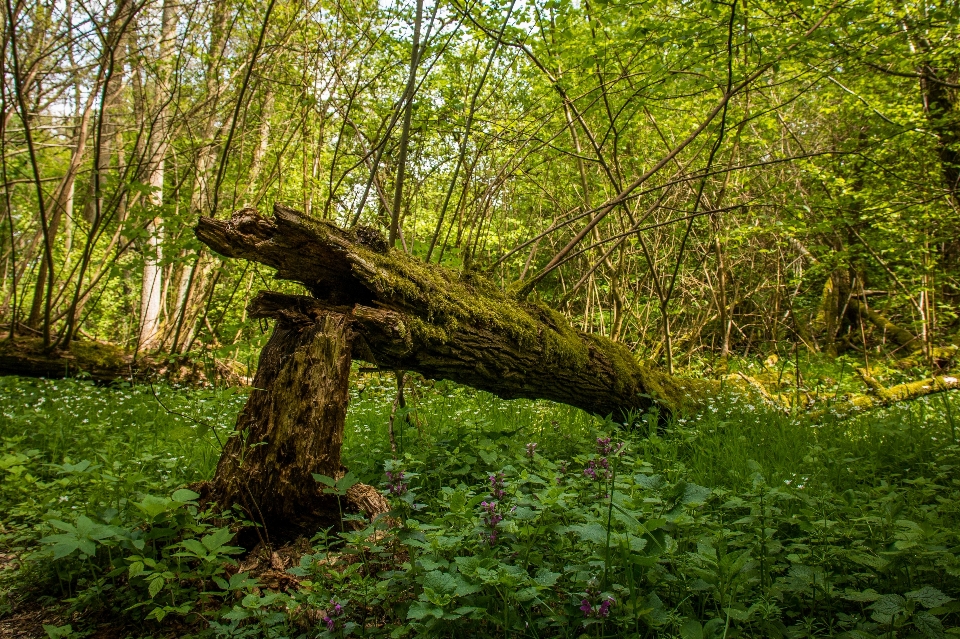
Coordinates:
<point>531,449</point>
<point>497,485</point>
<point>586,608</point>
<point>395,484</point>
<point>336,611</point>
<point>605,606</point>
<point>590,471</point>
<point>492,519</point>
<point>603,446</point>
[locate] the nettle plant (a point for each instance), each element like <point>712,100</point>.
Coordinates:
<point>601,544</point>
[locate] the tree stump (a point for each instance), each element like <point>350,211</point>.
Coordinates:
<point>292,428</point>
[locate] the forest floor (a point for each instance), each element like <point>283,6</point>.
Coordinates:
<point>518,519</point>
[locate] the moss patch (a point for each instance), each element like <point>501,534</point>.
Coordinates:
<point>92,354</point>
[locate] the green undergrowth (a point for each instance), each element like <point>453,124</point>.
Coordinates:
<point>517,519</point>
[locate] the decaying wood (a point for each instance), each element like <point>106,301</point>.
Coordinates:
<point>901,336</point>
<point>440,323</point>
<point>103,362</point>
<point>292,428</point>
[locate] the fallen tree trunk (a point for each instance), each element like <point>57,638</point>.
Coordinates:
<point>901,336</point>
<point>103,362</point>
<point>384,307</point>
<point>444,324</point>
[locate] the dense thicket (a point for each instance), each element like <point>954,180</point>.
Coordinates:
<point>678,176</point>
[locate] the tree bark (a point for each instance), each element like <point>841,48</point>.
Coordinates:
<point>440,323</point>
<point>292,428</point>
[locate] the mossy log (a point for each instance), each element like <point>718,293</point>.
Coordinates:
<point>104,362</point>
<point>878,395</point>
<point>443,324</point>
<point>380,305</point>
<point>901,336</point>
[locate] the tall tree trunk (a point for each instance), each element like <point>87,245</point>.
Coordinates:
<point>405,132</point>
<point>151,292</point>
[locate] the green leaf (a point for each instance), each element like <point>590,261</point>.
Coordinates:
<point>62,525</point>
<point>347,482</point>
<point>323,479</point>
<point>237,614</point>
<point>64,548</point>
<point>929,625</point>
<point>153,506</point>
<point>546,578</point>
<point>136,569</point>
<point>886,607</point>
<point>421,609</point>
<point>736,614</point>
<point>458,501</point>
<point>691,629</point>
<point>865,596</point>
<point>441,582</point>
<point>156,585</point>
<point>194,547</point>
<point>929,597</point>
<point>218,538</point>
<point>591,532</point>
<point>184,495</point>
<point>465,588</point>
<point>56,632</point>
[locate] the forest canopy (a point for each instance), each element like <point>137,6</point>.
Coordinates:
<point>688,178</point>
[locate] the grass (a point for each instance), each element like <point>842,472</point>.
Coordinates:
<point>739,522</point>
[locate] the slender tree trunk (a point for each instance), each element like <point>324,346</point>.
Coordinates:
<point>405,133</point>
<point>151,292</point>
